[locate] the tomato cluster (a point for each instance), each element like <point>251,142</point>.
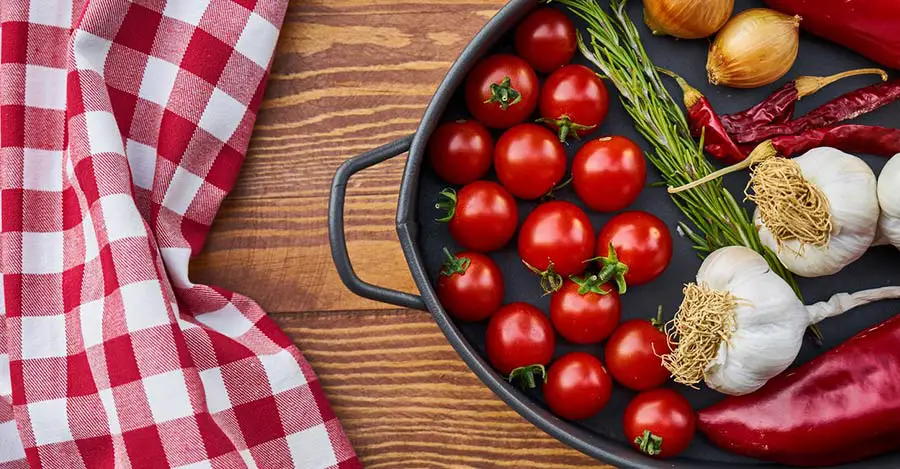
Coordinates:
<point>585,271</point>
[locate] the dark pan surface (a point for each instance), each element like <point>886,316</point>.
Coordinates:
<point>602,435</point>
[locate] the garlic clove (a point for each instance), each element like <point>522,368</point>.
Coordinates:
<point>755,48</point>
<point>687,19</point>
<point>889,200</point>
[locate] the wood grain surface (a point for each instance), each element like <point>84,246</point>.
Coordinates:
<point>406,399</point>
<point>348,76</point>
<point>351,75</point>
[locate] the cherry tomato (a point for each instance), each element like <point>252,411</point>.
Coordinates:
<point>461,152</point>
<point>482,216</point>
<point>660,423</point>
<point>632,354</point>
<point>577,386</point>
<point>559,235</point>
<point>520,341</point>
<point>574,101</point>
<point>529,161</point>
<point>546,39</point>
<point>609,173</point>
<point>588,317</point>
<point>502,91</point>
<point>642,242</point>
<point>470,286</point>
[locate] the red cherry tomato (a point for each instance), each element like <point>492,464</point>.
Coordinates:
<point>461,152</point>
<point>529,161</point>
<point>609,173</point>
<point>470,286</point>
<point>519,337</point>
<point>574,101</point>
<point>632,355</point>
<point>660,423</point>
<point>502,91</point>
<point>585,318</point>
<point>546,39</point>
<point>482,216</point>
<point>642,242</point>
<point>557,234</point>
<point>577,386</point>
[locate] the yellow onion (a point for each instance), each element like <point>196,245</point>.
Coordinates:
<point>755,48</point>
<point>687,19</point>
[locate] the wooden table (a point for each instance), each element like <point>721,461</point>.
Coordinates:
<point>350,75</point>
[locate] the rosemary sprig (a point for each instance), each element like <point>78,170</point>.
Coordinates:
<point>615,48</point>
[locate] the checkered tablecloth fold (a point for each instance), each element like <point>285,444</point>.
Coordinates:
<point>123,125</point>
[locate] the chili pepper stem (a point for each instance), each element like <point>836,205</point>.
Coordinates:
<point>764,151</point>
<point>691,95</point>
<point>810,85</point>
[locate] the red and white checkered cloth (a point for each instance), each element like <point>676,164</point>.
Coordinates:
<point>122,127</point>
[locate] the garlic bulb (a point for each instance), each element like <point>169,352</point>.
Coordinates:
<point>756,48</point>
<point>741,324</point>
<point>843,186</point>
<point>889,200</point>
<point>687,19</point>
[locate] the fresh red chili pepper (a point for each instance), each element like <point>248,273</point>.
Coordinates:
<point>866,26</point>
<point>850,138</point>
<point>848,106</point>
<point>843,406</point>
<point>704,122</point>
<point>778,108</point>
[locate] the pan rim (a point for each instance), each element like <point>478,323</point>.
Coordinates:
<point>596,446</point>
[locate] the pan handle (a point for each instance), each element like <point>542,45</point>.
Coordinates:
<point>338,238</point>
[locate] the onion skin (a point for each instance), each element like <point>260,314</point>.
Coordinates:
<point>756,48</point>
<point>687,19</point>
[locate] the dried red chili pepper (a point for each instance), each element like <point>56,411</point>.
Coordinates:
<point>845,107</point>
<point>851,138</point>
<point>841,407</point>
<point>704,122</point>
<point>778,108</point>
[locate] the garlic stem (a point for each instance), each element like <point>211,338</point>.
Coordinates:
<point>764,151</point>
<point>843,302</point>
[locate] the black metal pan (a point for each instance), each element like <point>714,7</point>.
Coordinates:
<point>422,238</point>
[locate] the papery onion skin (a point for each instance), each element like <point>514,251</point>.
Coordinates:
<point>756,48</point>
<point>687,19</point>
